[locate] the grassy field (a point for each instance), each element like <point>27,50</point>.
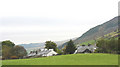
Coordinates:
<point>73,59</point>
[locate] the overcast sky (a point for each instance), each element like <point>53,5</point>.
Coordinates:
<point>32,21</point>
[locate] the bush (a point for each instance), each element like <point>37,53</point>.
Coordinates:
<point>59,52</point>
<point>14,57</point>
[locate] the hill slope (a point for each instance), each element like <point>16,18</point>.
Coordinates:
<point>98,31</point>
<point>89,36</point>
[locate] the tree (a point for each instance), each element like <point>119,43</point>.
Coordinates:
<point>6,52</point>
<point>64,49</point>
<point>8,43</point>
<point>10,50</point>
<point>107,45</point>
<point>70,48</point>
<point>119,45</point>
<point>19,51</point>
<point>51,45</point>
<point>6,48</point>
<point>0,49</point>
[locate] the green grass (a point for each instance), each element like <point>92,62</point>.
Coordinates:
<point>112,34</point>
<point>73,59</point>
<point>88,42</point>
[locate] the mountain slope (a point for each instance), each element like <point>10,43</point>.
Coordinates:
<point>98,31</point>
<point>92,34</point>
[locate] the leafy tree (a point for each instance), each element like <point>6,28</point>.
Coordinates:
<point>0,49</point>
<point>50,45</point>
<point>107,45</point>
<point>6,52</point>
<point>8,43</point>
<point>19,51</point>
<point>101,43</point>
<point>6,48</point>
<point>119,45</point>
<point>9,50</point>
<point>70,48</point>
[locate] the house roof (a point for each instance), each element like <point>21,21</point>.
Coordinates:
<point>42,52</point>
<point>83,48</point>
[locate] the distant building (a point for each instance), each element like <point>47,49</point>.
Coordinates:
<point>86,49</point>
<point>42,53</point>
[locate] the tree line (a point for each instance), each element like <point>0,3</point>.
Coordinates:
<point>12,51</point>
<point>108,45</point>
<point>68,49</point>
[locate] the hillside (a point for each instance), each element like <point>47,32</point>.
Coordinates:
<point>98,31</point>
<point>72,59</point>
<point>33,46</point>
<point>88,37</point>
<point>114,34</point>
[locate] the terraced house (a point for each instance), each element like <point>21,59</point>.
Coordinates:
<point>42,53</point>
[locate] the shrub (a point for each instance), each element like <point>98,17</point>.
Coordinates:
<point>14,57</point>
<point>59,52</point>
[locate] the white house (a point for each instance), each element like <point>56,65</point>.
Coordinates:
<point>42,52</point>
<point>31,54</point>
<point>86,49</point>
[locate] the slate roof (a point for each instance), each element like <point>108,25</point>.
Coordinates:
<point>41,52</point>
<point>81,49</point>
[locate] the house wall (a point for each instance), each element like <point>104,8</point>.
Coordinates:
<point>51,53</point>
